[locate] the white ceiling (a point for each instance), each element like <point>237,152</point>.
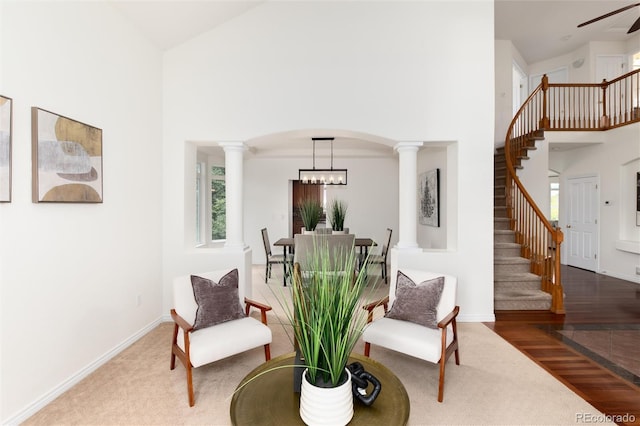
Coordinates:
<point>545,29</point>
<point>539,29</point>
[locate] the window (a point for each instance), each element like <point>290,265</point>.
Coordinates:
<point>199,195</point>
<point>554,205</point>
<point>218,203</point>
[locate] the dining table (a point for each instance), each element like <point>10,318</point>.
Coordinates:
<point>288,246</point>
<point>287,243</point>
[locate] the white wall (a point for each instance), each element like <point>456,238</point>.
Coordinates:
<point>534,175</point>
<point>374,68</point>
<point>621,149</point>
<point>505,56</point>
<point>71,274</point>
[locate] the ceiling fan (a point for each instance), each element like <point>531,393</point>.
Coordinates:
<point>634,27</point>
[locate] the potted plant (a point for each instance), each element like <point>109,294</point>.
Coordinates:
<point>328,319</point>
<point>338,212</point>
<point>310,212</point>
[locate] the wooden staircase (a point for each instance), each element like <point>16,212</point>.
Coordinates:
<point>515,286</point>
<point>527,248</point>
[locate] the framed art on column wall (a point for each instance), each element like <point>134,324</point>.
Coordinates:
<point>66,159</point>
<point>638,199</point>
<point>429,198</point>
<point>6,105</point>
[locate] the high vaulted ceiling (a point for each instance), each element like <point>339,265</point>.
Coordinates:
<point>539,29</point>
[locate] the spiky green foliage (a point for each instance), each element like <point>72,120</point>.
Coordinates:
<point>338,212</point>
<point>326,311</point>
<point>310,212</point>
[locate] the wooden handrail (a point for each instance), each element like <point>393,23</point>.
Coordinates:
<point>557,107</point>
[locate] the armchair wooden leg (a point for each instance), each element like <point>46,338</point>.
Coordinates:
<point>183,356</point>
<point>192,400</point>
<point>174,342</point>
<point>267,352</point>
<point>441,383</point>
<point>367,348</point>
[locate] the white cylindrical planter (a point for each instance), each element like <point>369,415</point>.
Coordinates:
<point>326,406</point>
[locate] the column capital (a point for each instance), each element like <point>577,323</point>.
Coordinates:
<point>408,146</point>
<point>233,146</point>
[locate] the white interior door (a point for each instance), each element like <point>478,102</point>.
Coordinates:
<point>582,222</point>
<point>610,66</point>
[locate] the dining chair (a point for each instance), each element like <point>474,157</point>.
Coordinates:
<point>277,259</point>
<point>381,259</point>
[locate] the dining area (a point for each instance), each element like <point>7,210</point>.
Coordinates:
<point>300,248</point>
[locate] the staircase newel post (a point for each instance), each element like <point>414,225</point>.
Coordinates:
<point>557,301</point>
<point>544,121</point>
<point>604,119</point>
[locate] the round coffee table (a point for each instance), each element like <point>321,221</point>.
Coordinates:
<point>269,399</point>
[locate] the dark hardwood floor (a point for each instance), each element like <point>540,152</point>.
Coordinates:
<point>594,348</point>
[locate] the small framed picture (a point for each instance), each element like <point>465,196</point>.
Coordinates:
<point>429,198</point>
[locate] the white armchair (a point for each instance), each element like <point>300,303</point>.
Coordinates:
<point>404,331</point>
<point>195,342</point>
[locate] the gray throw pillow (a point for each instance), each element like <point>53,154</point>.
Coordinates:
<point>217,302</point>
<point>417,303</point>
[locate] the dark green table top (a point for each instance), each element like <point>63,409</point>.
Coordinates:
<point>269,399</point>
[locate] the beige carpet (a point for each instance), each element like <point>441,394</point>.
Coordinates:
<point>495,384</point>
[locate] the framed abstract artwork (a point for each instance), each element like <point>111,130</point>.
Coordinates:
<point>638,199</point>
<point>66,159</point>
<point>6,105</point>
<point>429,198</point>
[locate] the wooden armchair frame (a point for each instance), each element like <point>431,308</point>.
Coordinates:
<point>446,351</point>
<point>187,328</point>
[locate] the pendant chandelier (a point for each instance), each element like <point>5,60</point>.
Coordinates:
<point>329,176</point>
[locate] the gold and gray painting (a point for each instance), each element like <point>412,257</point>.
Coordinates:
<point>69,160</point>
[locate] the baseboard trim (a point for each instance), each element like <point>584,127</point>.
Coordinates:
<point>476,318</point>
<point>632,279</point>
<point>41,402</point>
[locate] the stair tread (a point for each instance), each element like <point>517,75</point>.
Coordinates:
<point>509,260</point>
<point>505,245</point>
<point>516,276</point>
<point>503,231</point>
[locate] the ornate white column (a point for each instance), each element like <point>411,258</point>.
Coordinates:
<point>408,193</point>
<point>233,160</point>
